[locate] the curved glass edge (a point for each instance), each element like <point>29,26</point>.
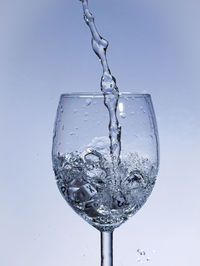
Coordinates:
<point>155,125</point>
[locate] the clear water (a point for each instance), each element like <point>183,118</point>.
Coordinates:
<point>87,182</point>
<point>108,85</point>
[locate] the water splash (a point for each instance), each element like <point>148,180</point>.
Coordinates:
<point>85,180</point>
<point>108,85</point>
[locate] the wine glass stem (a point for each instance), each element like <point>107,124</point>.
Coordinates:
<point>106,248</point>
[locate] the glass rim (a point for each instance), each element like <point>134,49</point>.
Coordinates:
<point>100,95</point>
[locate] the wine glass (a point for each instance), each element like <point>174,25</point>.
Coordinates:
<point>103,196</point>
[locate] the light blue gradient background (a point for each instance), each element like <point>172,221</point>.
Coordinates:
<point>45,51</point>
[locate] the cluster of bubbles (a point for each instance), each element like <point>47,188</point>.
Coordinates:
<point>143,256</point>
<point>100,194</point>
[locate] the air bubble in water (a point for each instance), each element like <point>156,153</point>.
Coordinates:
<point>93,156</point>
<point>85,181</point>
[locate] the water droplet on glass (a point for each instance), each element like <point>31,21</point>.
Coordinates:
<point>123,115</point>
<point>71,133</point>
<point>141,252</point>
<point>88,102</point>
<point>148,259</point>
<point>75,111</point>
<point>86,114</point>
